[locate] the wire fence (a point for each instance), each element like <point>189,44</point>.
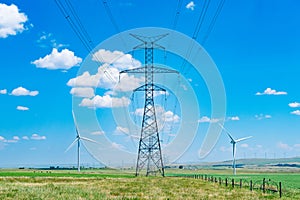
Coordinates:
<point>264,185</point>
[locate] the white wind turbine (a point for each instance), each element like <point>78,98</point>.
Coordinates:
<point>233,142</point>
<point>77,139</point>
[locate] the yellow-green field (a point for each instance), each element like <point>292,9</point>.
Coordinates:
<point>111,184</point>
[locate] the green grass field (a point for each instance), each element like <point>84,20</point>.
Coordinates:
<point>112,184</point>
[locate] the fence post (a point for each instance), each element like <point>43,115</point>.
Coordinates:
<point>251,185</point>
<point>220,180</point>
<point>216,180</point>
<point>264,185</point>
<point>241,182</point>
<point>232,183</point>
<point>226,182</point>
<point>280,191</point>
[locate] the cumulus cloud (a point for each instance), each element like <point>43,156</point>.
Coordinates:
<point>262,116</point>
<point>117,59</point>
<point>234,118</point>
<point>16,138</point>
<point>25,138</point>
<point>284,146</point>
<point>47,40</point>
<point>191,5</point>
<point>206,119</point>
<point>22,108</point>
<point>4,91</point>
<point>97,133</point>
<point>296,112</point>
<point>294,105</point>
<point>65,59</point>
<point>11,20</point>
<point>120,130</point>
<point>105,101</point>
<point>161,114</point>
<point>117,146</point>
<point>83,92</point>
<point>20,91</point>
<point>270,91</point>
<point>244,145</point>
<point>171,117</point>
<point>225,149</point>
<point>37,137</point>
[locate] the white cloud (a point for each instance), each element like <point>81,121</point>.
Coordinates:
<point>83,92</point>
<point>205,119</point>
<point>244,145</point>
<point>37,137</point>
<point>262,116</point>
<point>11,20</point>
<point>4,91</point>
<point>294,105</point>
<point>225,149</point>
<point>296,147</point>
<point>105,102</point>
<point>234,118</point>
<point>2,138</point>
<point>25,138</point>
<point>65,59</point>
<point>130,82</point>
<point>22,108</point>
<point>190,5</point>
<point>20,91</point>
<point>270,91</point>
<point>296,112</point>
<point>84,80</point>
<point>117,59</point>
<point>284,146</point>
<point>117,146</point>
<point>161,114</point>
<point>171,117</point>
<point>47,39</point>
<point>97,133</point>
<point>16,138</point>
<point>120,130</point>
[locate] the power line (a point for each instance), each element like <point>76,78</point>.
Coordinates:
<point>179,5</point>
<point>80,31</point>
<point>214,19</point>
<point>201,19</point>
<point>71,8</point>
<point>109,13</point>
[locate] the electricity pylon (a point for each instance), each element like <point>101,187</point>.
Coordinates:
<point>149,152</point>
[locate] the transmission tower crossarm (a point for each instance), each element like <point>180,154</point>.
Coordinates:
<point>155,88</point>
<point>156,70</point>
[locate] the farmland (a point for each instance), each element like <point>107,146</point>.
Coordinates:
<point>113,184</point>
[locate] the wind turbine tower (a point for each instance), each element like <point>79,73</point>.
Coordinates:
<point>233,142</point>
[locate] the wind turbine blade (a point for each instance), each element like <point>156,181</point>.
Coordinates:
<point>71,145</point>
<point>89,140</point>
<point>75,122</point>
<point>227,132</point>
<point>245,138</point>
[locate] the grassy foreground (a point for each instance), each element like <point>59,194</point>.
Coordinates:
<point>115,185</point>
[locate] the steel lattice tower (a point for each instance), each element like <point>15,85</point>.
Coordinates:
<point>149,152</point>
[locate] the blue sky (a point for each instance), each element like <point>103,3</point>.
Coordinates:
<point>254,44</point>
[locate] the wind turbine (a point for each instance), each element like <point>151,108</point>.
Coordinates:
<point>233,142</point>
<point>77,139</point>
